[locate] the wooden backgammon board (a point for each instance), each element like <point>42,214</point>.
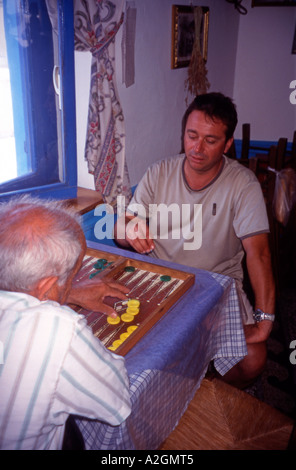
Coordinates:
<point>153,290</point>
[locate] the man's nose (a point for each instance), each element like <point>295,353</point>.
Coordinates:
<point>198,146</point>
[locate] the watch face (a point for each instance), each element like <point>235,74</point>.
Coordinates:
<point>259,315</point>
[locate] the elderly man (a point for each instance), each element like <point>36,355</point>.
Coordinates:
<point>53,366</point>
<point>217,213</point>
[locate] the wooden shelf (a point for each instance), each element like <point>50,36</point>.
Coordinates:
<point>86,200</point>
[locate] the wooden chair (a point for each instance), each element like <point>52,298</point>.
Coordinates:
<point>261,157</point>
<point>291,154</point>
<point>221,417</point>
<point>287,234</point>
<point>292,222</point>
<point>246,135</point>
<point>263,163</point>
<point>254,162</point>
<point>276,158</point>
<point>246,144</point>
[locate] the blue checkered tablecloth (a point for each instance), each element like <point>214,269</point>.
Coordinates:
<point>168,364</point>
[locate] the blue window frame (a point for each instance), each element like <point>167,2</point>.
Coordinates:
<point>40,49</point>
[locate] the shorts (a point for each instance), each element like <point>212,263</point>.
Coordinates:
<point>245,305</point>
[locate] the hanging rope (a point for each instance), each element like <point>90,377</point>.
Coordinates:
<point>197,82</point>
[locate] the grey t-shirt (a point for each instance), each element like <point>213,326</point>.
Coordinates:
<point>223,213</point>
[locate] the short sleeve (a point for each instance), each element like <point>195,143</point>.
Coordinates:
<point>93,381</point>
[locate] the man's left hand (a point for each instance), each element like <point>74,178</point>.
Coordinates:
<point>258,332</point>
<point>90,295</point>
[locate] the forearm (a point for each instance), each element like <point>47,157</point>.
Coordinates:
<point>262,281</point>
<point>261,277</point>
<point>260,274</point>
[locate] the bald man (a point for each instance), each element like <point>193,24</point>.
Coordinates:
<point>53,366</point>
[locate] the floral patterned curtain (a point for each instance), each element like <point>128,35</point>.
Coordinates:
<point>96,24</point>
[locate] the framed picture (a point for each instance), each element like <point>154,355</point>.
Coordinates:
<point>273,3</point>
<point>183,34</point>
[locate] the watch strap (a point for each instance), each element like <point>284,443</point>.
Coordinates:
<point>259,315</point>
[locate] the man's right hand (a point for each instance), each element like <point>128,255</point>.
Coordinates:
<point>137,234</point>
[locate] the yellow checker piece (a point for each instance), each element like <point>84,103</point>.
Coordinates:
<point>113,321</point>
<point>133,303</point>
<point>127,317</point>
<point>117,343</point>
<point>131,329</point>
<point>132,310</point>
<point>124,336</point>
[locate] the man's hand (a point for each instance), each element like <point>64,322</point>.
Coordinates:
<point>90,294</point>
<point>136,234</point>
<point>258,332</point>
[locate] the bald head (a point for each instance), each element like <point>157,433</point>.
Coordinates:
<point>38,238</point>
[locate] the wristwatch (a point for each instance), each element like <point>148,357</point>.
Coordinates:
<point>259,316</point>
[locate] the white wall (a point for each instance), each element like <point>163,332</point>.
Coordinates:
<point>264,69</point>
<point>249,59</point>
<point>153,107</point>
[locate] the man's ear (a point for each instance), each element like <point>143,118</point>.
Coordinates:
<point>228,144</point>
<point>44,287</point>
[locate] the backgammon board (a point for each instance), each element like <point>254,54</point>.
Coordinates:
<point>153,290</point>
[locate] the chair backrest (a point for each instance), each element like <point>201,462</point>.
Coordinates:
<point>281,153</point>
<point>291,155</point>
<point>246,131</point>
<point>246,143</point>
<point>276,160</point>
<point>272,162</point>
<point>273,224</point>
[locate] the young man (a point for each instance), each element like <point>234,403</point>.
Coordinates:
<point>206,210</point>
<point>53,366</point>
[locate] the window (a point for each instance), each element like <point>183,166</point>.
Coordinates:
<point>38,133</point>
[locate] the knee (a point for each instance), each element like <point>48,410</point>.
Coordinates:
<point>249,368</point>
<point>255,361</point>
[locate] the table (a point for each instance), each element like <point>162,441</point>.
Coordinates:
<point>167,365</point>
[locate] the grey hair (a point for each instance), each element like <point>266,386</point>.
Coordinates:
<point>29,253</point>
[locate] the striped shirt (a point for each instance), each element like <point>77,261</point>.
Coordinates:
<point>53,366</point>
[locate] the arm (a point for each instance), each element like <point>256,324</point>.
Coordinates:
<point>131,231</point>
<point>260,273</point>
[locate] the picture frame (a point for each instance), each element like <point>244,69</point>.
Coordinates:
<point>273,3</point>
<point>183,35</point>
